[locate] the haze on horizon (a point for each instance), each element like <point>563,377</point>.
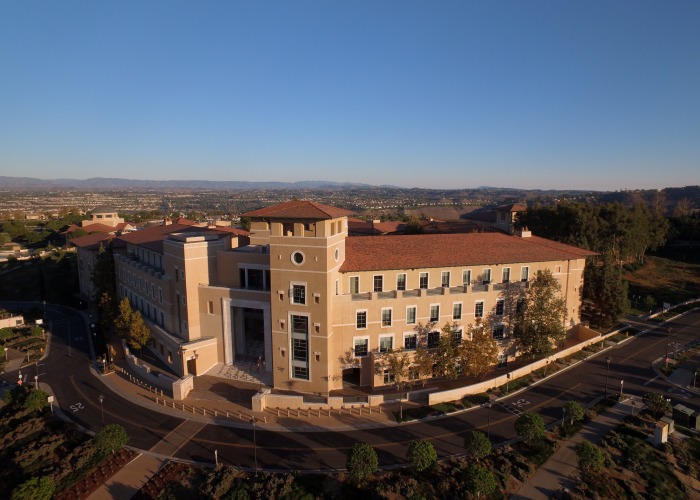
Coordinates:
<point>550,95</point>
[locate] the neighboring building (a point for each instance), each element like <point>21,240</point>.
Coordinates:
<point>87,249</point>
<point>312,303</point>
<point>103,215</point>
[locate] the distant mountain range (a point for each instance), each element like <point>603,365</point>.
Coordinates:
<point>29,183</point>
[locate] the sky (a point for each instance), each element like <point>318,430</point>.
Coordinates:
<point>450,94</point>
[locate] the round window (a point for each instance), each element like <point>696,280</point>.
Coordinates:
<point>298,258</point>
<point>337,254</point>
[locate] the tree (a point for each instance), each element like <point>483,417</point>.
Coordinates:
<point>36,488</point>
<point>110,439</point>
<point>36,401</point>
<point>422,455</point>
<point>605,290</point>
<point>130,326</point>
<point>446,354</point>
<point>397,364</point>
<point>479,480</point>
<point>477,445</point>
<point>530,427</point>
<point>361,462</point>
<point>574,411</point>
<point>478,352</point>
<point>589,456</point>
<point>657,404</point>
<point>540,321</point>
<point>423,359</point>
<point>103,274</point>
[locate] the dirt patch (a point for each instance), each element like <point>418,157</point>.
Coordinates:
<point>666,280</point>
<point>97,476</point>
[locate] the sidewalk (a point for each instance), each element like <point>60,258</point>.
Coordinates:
<point>561,469</point>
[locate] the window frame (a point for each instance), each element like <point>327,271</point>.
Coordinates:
<point>466,273</point>
<point>484,273</point>
<point>445,283</point>
<point>388,310</point>
<point>378,283</point>
<point>364,338</point>
<point>359,312</point>
<point>434,307</point>
<point>524,274</point>
<point>356,281</point>
<point>415,315</point>
<point>456,305</point>
<point>410,335</point>
<point>479,309</point>
<point>505,275</point>
<point>500,304</point>
<point>292,297</point>
<point>384,336</point>
<point>423,276</point>
<point>401,283</point>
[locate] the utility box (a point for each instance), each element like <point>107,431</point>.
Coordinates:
<point>671,424</point>
<point>684,415</point>
<point>661,433</point>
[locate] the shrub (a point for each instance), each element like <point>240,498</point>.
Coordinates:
<point>110,439</point>
<point>479,480</point>
<point>36,400</point>
<point>657,404</point>
<point>36,488</point>
<point>574,411</point>
<point>361,462</point>
<point>530,427</point>
<point>589,456</point>
<point>422,455</point>
<point>477,445</point>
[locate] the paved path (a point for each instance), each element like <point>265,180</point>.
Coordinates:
<point>561,469</point>
<point>134,475</point>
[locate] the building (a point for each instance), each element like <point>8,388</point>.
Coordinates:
<point>312,304</point>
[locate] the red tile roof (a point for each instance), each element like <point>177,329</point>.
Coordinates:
<point>228,229</point>
<point>299,210</point>
<point>374,253</point>
<point>513,207</point>
<point>90,241</point>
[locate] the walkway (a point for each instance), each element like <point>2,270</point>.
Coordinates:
<point>561,469</point>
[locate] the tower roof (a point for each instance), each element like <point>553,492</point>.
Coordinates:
<point>299,210</point>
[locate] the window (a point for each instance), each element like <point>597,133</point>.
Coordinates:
<point>300,350</point>
<point>388,377</point>
<point>433,339</point>
<point>361,347</point>
<point>499,331</point>
<point>299,326</point>
<point>386,343</point>
<point>300,372</point>
<point>361,321</point>
<point>435,312</point>
<point>558,269</point>
<point>506,274</point>
<point>423,280</point>
<point>378,283</point>
<point>153,291</point>
<point>401,281</point>
<point>184,300</point>
<point>457,310</point>
<point>520,306</point>
<point>386,317</point>
<point>160,295</point>
<point>486,277</point>
<point>210,307</point>
<point>479,310</point>
<point>467,277</point>
<point>445,279</point>
<point>502,360</point>
<point>410,341</point>
<point>524,273</point>
<point>411,315</point>
<point>456,336</point>
<point>500,307</point>
<point>182,274</point>
<point>299,294</point>
<point>297,258</point>
<point>354,284</point>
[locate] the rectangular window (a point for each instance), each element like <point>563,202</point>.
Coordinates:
<point>299,294</point>
<point>388,377</point>
<point>255,279</point>
<point>354,284</point>
<point>300,372</point>
<point>361,321</point>
<point>524,273</point>
<point>499,331</point>
<point>506,275</point>
<point>410,341</point>
<point>479,310</point>
<point>456,336</point>
<point>445,279</point>
<point>520,306</point>
<point>299,326</point>
<point>457,310</point>
<point>401,281</point>
<point>242,277</point>
<point>411,315</point>
<point>467,277</point>
<point>361,347</point>
<point>160,295</point>
<point>182,274</point>
<point>386,317</point>
<point>386,344</point>
<point>210,307</point>
<point>433,339</point>
<point>378,283</point>
<point>486,277</point>
<point>500,307</point>
<point>300,350</point>
<point>435,312</point>
<point>423,280</point>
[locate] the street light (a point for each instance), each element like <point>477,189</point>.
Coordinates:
<point>36,382</point>
<point>622,385</point>
<point>607,372</point>
<point>5,353</point>
<point>488,428</point>
<point>102,409</point>
<point>668,337</point>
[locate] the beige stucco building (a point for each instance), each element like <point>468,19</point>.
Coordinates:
<point>312,304</point>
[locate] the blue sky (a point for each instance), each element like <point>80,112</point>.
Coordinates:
<point>528,94</point>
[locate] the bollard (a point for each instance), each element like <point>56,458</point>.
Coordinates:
<point>287,411</point>
<point>264,419</point>
<point>173,405</point>
<point>183,406</point>
<point>278,412</point>
<point>370,410</point>
<point>204,412</point>
<point>226,414</point>
<point>193,409</point>
<point>165,403</point>
<point>156,400</point>
<point>215,414</point>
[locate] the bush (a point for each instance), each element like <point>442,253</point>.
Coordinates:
<point>589,456</point>
<point>479,480</point>
<point>361,462</point>
<point>36,488</point>
<point>422,455</point>
<point>36,401</point>
<point>477,445</point>
<point>530,427</point>
<point>110,439</point>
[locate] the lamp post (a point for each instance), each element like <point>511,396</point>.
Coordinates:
<point>488,427</point>
<point>507,380</point>
<point>36,382</point>
<point>668,337</point>
<point>695,375</point>
<point>607,373</point>
<point>102,409</point>
<point>5,353</point>
<point>622,385</point>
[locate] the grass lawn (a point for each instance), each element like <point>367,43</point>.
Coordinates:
<point>666,280</point>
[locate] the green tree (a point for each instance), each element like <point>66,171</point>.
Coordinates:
<point>423,358</point>
<point>36,401</point>
<point>361,462</point>
<point>422,455</point>
<point>413,225</point>
<point>36,488</point>
<point>103,274</point>
<point>540,321</point>
<point>656,404</point>
<point>111,438</point>
<point>574,411</point>
<point>530,427</point>
<point>478,352</point>
<point>479,480</point>
<point>477,445</point>
<point>589,456</point>
<point>605,290</point>
<point>446,353</point>
<point>130,326</point>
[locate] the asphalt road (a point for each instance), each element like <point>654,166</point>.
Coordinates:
<point>66,370</point>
